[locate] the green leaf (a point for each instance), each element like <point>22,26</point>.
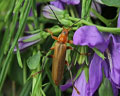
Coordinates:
<point>21,27</point>
<point>86,69</point>
<point>105,88</point>
<point>82,58</point>
<point>99,53</point>
<point>26,88</point>
<point>19,57</point>
<point>78,73</point>
<point>115,3</point>
<point>33,38</point>
<point>34,61</point>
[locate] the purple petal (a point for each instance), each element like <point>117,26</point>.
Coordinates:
<point>80,84</point>
<point>115,54</point>
<point>57,4</point>
<point>90,36</point>
<point>115,90</point>
<point>47,12</point>
<point>118,23</point>
<point>105,66</point>
<point>95,75</point>
<point>95,78</point>
<point>66,86</point>
<point>72,2</point>
<point>26,37</point>
<point>22,45</point>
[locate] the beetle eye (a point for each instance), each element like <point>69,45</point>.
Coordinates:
<point>64,32</point>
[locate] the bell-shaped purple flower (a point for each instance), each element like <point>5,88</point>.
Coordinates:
<point>22,44</point>
<point>48,13</point>
<point>90,36</point>
<point>107,43</point>
<point>72,2</point>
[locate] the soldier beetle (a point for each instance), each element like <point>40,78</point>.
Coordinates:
<point>59,55</point>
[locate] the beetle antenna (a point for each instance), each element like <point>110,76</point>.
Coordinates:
<point>55,15</point>
<point>72,80</point>
<point>75,23</point>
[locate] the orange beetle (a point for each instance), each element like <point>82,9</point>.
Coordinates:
<point>59,55</point>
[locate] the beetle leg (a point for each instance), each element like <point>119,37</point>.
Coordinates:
<point>50,56</point>
<point>70,41</point>
<point>37,73</point>
<point>69,47</point>
<point>88,54</point>
<point>54,37</point>
<point>71,77</point>
<point>67,63</point>
<point>76,90</point>
<point>52,48</point>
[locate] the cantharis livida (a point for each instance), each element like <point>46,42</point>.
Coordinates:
<point>59,55</point>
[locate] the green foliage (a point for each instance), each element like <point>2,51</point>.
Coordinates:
<point>26,88</point>
<point>106,88</point>
<point>28,71</point>
<point>34,61</point>
<point>19,58</point>
<point>99,53</point>
<point>115,3</point>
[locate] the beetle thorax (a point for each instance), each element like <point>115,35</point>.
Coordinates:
<point>63,37</point>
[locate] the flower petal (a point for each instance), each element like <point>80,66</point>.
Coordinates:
<point>118,23</point>
<point>57,4</point>
<point>95,75</point>
<point>80,84</point>
<point>23,45</point>
<point>90,36</point>
<point>115,54</point>
<point>72,2</point>
<point>47,12</point>
<point>95,78</point>
<point>66,86</point>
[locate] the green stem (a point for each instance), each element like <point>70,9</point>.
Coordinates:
<point>24,72</point>
<point>88,6</point>
<point>104,20</point>
<point>4,71</point>
<point>83,9</point>
<point>10,53</point>
<point>71,11</point>
<point>34,9</point>
<point>100,28</point>
<point>103,29</point>
<point>8,32</point>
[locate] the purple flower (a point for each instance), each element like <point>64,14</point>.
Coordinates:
<point>90,36</point>
<point>22,43</point>
<point>47,12</point>
<point>107,43</point>
<point>72,2</point>
<point>66,86</point>
<point>58,4</point>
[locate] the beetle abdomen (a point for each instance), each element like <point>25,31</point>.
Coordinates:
<point>58,62</point>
